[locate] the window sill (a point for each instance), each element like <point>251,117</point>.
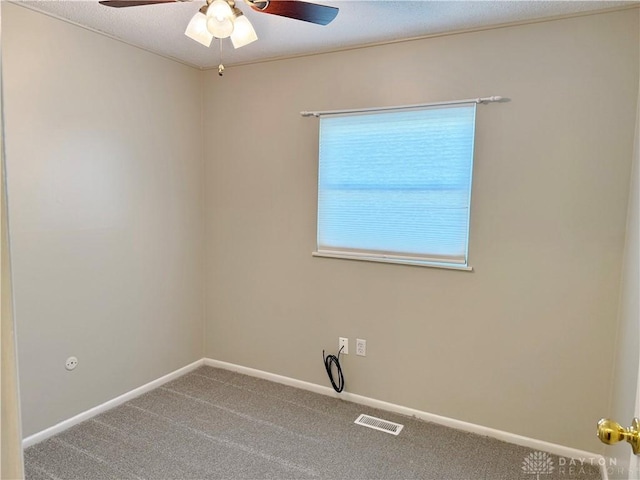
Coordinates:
<point>416,263</point>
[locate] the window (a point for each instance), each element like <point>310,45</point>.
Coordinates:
<point>395,186</point>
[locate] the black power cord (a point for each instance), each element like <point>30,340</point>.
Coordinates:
<point>329,361</point>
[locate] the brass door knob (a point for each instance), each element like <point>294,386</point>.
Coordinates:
<point>611,432</point>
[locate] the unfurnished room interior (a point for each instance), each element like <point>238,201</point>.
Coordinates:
<point>335,240</point>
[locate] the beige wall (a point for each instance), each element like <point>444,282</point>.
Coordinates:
<point>11,437</point>
<point>108,252</point>
<point>525,342</point>
<point>624,404</point>
<point>106,213</point>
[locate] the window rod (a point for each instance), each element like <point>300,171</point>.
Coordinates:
<point>485,100</point>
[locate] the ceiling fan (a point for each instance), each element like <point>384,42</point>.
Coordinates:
<point>222,19</point>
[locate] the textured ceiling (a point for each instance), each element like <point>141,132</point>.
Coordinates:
<point>160,28</point>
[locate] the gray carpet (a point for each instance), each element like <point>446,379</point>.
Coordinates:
<point>217,424</point>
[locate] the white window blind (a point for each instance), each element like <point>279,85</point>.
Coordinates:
<point>396,185</point>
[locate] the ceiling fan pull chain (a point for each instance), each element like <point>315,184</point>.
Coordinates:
<point>221,66</point>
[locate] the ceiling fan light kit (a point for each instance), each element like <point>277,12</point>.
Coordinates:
<point>222,19</point>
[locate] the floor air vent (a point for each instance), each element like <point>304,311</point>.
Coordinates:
<point>379,424</point>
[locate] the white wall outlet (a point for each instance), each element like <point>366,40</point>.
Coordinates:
<point>361,347</point>
<point>343,342</point>
<point>71,363</point>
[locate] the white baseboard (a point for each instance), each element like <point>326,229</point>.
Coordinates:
<point>92,412</point>
<point>560,450</point>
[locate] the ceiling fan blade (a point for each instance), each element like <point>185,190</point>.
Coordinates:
<point>132,3</point>
<point>305,11</point>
